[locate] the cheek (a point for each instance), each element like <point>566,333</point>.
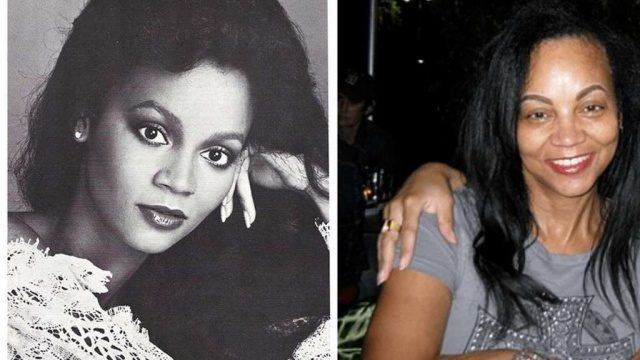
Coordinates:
<point>605,133</point>
<point>530,141</point>
<point>212,186</point>
<point>117,165</point>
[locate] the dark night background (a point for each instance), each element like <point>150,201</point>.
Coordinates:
<point>420,104</point>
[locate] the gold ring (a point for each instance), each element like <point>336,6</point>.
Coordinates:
<point>390,224</point>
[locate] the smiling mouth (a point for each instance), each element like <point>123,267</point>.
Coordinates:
<point>162,217</point>
<point>571,165</point>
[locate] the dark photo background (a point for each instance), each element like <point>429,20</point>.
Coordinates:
<point>426,56</point>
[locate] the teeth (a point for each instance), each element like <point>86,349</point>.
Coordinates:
<point>571,162</point>
<point>162,220</point>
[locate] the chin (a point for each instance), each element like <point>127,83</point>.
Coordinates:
<point>150,243</point>
<point>575,188</point>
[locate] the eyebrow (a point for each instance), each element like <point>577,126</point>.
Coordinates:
<point>584,92</point>
<point>223,136</point>
<point>589,89</point>
<point>175,121</point>
<point>536,97</point>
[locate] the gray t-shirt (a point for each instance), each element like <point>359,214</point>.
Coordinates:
<point>582,326</point>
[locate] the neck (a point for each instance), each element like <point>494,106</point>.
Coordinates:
<point>567,225</point>
<point>81,232</point>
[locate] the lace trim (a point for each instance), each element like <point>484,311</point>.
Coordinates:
<point>324,229</point>
<point>315,346</point>
<point>54,314</point>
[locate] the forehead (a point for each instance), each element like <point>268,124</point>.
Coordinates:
<point>205,97</point>
<point>576,59</point>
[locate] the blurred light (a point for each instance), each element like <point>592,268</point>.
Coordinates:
<point>407,1</point>
<point>367,192</point>
<point>420,61</point>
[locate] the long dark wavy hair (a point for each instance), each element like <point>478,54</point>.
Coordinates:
<point>494,168</point>
<point>110,38</point>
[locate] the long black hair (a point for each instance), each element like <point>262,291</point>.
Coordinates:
<point>110,38</point>
<point>494,168</point>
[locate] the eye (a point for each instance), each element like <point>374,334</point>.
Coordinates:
<point>591,108</point>
<point>217,156</point>
<point>153,134</point>
<point>537,115</point>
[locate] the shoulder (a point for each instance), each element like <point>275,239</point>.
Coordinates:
<point>434,256</point>
<point>465,219</point>
<point>18,227</point>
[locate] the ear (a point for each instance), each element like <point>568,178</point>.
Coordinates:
<point>81,130</point>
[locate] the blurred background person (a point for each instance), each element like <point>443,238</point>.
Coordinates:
<point>365,168</point>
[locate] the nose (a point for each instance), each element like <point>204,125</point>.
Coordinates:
<point>568,132</point>
<point>177,177</point>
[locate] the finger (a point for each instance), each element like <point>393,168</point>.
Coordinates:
<point>412,211</point>
<point>290,168</point>
<point>227,202</point>
<point>444,214</point>
<point>457,179</point>
<point>385,254</point>
<point>387,241</point>
<point>386,210</point>
<point>245,194</point>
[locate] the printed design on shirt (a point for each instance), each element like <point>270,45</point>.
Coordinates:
<point>559,334</point>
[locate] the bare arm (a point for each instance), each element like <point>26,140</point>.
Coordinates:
<point>410,319</point>
<point>428,189</point>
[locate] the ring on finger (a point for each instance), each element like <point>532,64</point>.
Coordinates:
<point>390,224</point>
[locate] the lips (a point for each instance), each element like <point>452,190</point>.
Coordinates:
<point>571,165</point>
<point>162,217</point>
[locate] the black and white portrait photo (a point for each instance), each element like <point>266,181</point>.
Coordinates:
<point>168,180</point>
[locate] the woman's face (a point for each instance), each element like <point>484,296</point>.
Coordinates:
<point>165,151</point>
<point>568,123</point>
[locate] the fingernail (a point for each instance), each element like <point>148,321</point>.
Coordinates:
<point>403,264</point>
<point>379,280</point>
<point>454,238</point>
<point>223,213</point>
<point>247,219</point>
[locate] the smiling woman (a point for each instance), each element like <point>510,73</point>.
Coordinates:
<point>155,115</point>
<point>568,123</point>
<point>546,263</point>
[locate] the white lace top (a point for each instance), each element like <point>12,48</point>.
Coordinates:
<point>53,313</point>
